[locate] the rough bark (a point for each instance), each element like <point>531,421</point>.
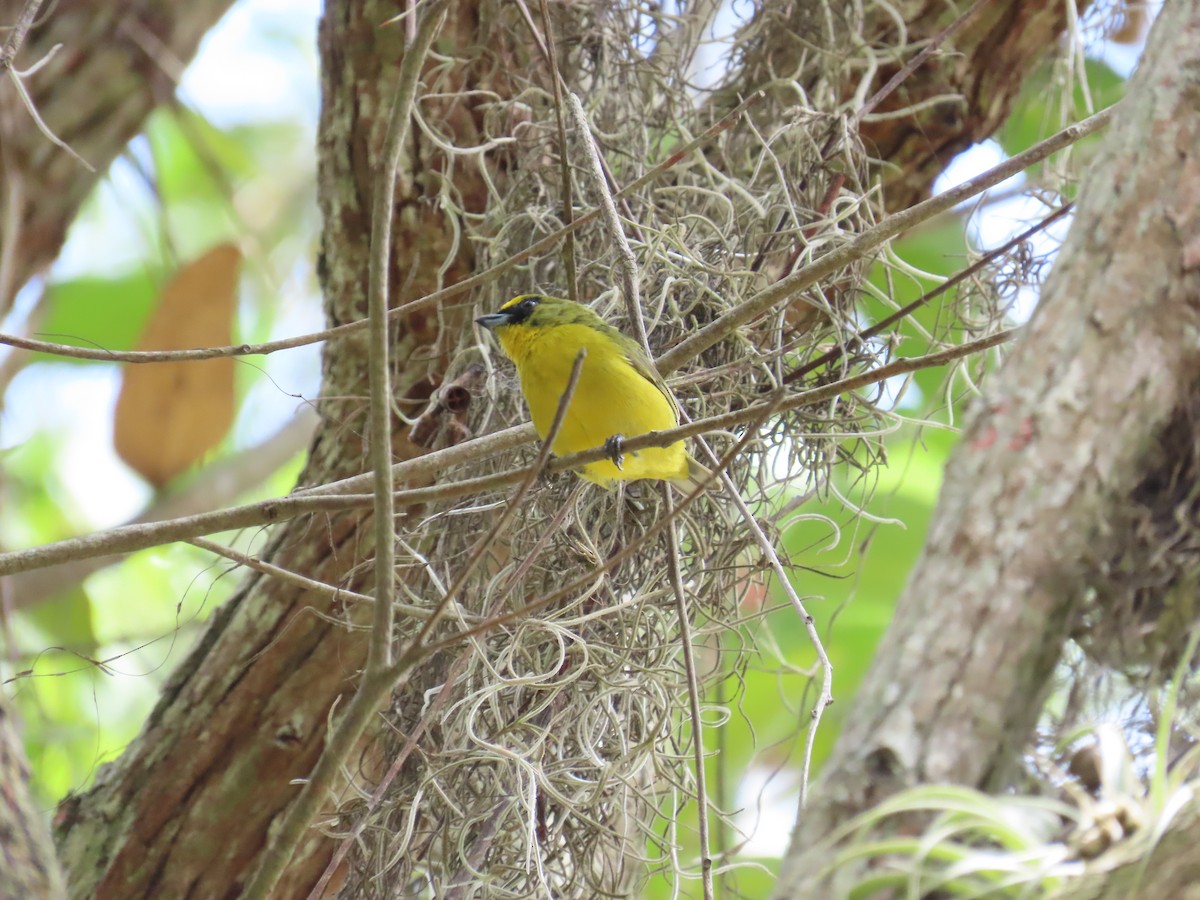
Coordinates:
<point>117,62</point>
<point>1046,464</point>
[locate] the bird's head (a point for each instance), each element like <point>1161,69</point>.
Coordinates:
<point>525,309</point>
<point>529,320</point>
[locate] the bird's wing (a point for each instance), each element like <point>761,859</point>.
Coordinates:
<point>645,367</point>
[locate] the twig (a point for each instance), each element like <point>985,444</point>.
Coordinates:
<point>693,691</point>
<point>913,64</point>
<point>785,584</point>
<point>16,38</point>
<point>320,588</point>
<point>218,484</point>
<point>883,324</point>
<point>11,221</point>
<point>127,538</point>
<point>833,142</point>
<point>686,350</point>
<point>550,54</point>
<point>723,763</point>
<point>786,288</point>
<point>434,710</point>
<point>629,276</point>
<point>30,108</point>
<point>16,360</point>
<point>762,412</point>
<point>378,675</point>
<point>556,80</point>
<point>379,654</point>
<point>418,648</point>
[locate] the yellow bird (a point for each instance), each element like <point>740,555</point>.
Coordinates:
<point>619,395</point>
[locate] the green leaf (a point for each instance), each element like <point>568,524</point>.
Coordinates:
<point>63,621</point>
<point>190,153</point>
<point>108,313</point>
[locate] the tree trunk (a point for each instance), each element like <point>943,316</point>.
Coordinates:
<point>1047,467</point>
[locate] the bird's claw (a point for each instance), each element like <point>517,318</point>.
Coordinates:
<point>613,446</point>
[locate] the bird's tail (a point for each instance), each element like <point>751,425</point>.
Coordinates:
<point>698,476</point>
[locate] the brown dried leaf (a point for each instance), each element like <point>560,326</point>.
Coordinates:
<point>170,414</point>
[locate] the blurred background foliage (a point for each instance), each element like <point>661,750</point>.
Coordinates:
<point>233,160</point>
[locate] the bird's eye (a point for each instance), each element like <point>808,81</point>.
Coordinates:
<point>528,305</point>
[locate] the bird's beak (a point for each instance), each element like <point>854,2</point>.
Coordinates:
<point>491,320</point>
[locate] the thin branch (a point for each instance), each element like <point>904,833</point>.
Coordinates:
<point>629,274</point>
<point>16,38</point>
<point>530,476</point>
<point>693,692</point>
<point>915,63</point>
<point>550,54</point>
<point>128,538</point>
<point>376,683</point>
<point>787,288</point>
<point>11,221</point>
<point>412,739</point>
<point>217,485</point>
<point>763,412</point>
<point>782,290</point>
<point>27,102</point>
<point>556,80</point>
<point>379,653</point>
<point>723,763</point>
<point>16,360</point>
<point>416,649</point>
<point>320,588</point>
<point>834,142</point>
<point>825,698</point>
<point>377,677</point>
<point>905,311</point>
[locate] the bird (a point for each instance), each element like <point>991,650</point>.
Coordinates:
<point>619,394</point>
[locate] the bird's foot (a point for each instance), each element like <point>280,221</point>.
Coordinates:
<point>613,446</point>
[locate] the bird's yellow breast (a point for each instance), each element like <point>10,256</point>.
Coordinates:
<point>612,397</point>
